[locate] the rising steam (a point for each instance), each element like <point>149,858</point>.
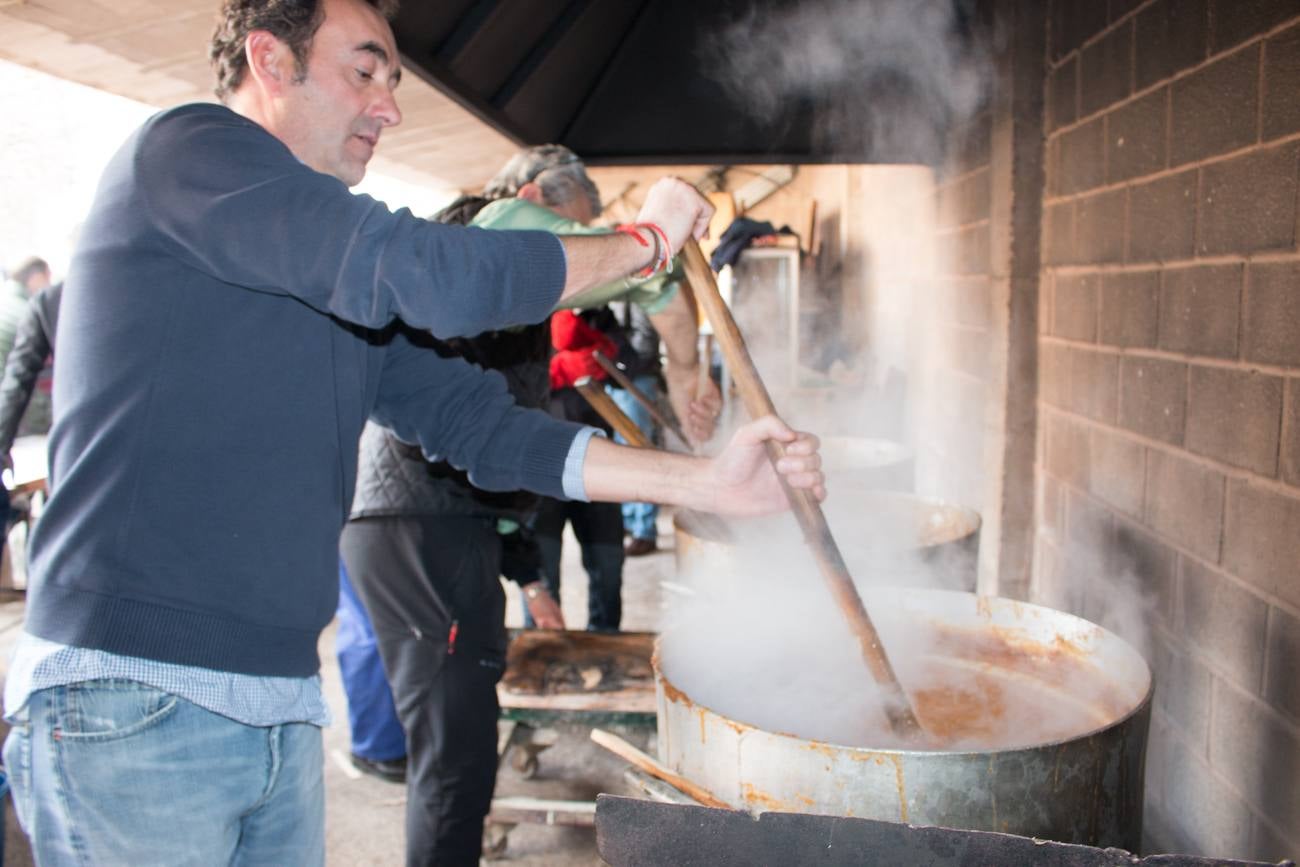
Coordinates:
<point>882,80</point>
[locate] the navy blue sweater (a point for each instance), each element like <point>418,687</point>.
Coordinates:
<point>221,345</point>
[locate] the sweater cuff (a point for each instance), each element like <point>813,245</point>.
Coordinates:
<point>574,488</point>
<point>543,462</point>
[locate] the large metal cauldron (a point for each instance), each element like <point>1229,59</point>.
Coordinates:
<point>887,538</point>
<point>1081,786</point>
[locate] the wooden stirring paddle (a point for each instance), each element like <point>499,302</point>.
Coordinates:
<point>807,511</point>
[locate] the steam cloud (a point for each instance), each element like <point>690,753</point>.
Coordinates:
<point>761,642</point>
<point>884,80</point>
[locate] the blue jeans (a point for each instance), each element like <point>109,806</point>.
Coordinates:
<point>116,772</point>
<point>638,518</point>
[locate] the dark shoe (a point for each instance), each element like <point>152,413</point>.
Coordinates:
<point>393,771</point>
<point>641,547</point>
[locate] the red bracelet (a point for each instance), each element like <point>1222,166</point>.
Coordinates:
<point>634,229</point>
<point>662,258</point>
<point>631,229</point>
<point>665,250</point>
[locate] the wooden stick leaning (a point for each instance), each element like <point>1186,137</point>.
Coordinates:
<point>702,522</point>
<point>616,374</point>
<point>807,510</point>
<point>650,765</point>
<point>605,407</point>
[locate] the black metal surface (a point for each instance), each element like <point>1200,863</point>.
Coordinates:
<point>637,833</point>
<point>635,81</point>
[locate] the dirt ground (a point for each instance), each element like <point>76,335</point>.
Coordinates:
<point>364,816</point>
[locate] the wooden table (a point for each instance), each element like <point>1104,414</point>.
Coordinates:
<point>590,677</point>
<point>555,675</point>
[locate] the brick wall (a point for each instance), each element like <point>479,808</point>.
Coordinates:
<point>1168,461</point>
<point>984,350</point>
<point>953,391</point>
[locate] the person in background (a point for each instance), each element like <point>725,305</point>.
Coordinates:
<point>598,527</point>
<point>27,364</point>
<point>30,277</point>
<point>27,369</point>
<point>639,357</point>
<point>223,336</point>
<point>425,548</point>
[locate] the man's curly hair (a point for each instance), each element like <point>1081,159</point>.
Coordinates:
<point>293,22</point>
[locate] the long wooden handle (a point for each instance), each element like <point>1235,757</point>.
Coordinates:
<point>640,396</point>
<point>808,512</point>
<point>650,765</point>
<point>604,405</point>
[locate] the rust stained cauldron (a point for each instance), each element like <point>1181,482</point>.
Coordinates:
<point>1065,764</point>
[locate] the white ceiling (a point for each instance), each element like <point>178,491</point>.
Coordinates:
<point>155,51</point>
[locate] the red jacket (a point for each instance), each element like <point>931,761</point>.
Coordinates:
<point>574,342</point>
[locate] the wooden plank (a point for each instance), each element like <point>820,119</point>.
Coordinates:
<point>651,765</point>
<point>640,701</point>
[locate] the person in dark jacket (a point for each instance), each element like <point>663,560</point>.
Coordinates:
<point>399,489</point>
<point>29,277</point>
<point>27,362</point>
<point>27,367</point>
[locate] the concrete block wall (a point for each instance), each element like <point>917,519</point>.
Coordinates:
<point>955,353</point>
<point>984,353</point>
<point>1168,459</point>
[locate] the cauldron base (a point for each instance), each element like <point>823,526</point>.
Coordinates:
<point>631,831</point>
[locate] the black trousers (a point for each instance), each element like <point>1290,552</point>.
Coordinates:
<point>599,531</point>
<point>431,587</point>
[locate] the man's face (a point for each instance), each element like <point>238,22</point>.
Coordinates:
<point>332,119</point>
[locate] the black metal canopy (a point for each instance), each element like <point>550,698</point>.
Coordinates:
<point>669,81</point>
